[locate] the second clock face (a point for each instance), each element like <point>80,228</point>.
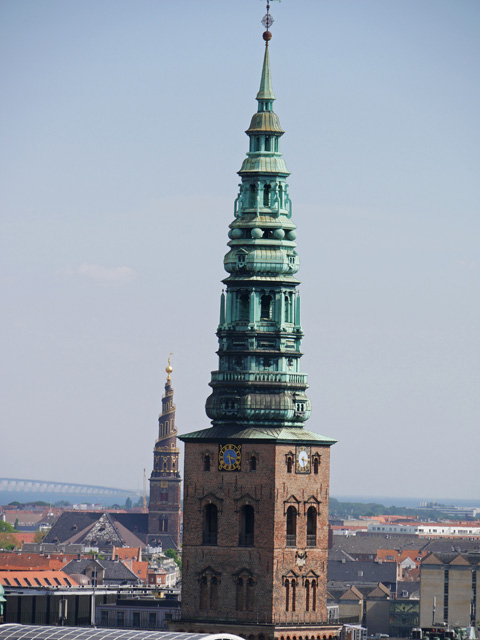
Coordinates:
<point>229,457</point>
<point>302,459</point>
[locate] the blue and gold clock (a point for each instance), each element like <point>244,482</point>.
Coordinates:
<point>229,457</point>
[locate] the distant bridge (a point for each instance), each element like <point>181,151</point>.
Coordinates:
<point>61,488</point>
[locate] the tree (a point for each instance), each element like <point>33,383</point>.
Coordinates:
<point>128,504</point>
<point>15,526</point>
<point>40,535</point>
<point>171,553</point>
<point>6,527</point>
<point>8,541</point>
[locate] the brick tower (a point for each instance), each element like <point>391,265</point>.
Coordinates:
<point>257,482</point>
<point>164,512</point>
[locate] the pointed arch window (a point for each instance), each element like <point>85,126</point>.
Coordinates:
<point>210,524</point>
<point>311,527</point>
<point>253,463</point>
<point>247,526</point>
<point>289,464</point>
<point>291,526</point>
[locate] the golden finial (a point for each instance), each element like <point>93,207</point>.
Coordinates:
<point>169,368</point>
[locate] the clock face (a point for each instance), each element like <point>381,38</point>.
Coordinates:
<point>302,459</point>
<point>229,457</point>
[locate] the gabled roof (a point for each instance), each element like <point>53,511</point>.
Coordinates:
<point>15,579</point>
<point>114,569</point>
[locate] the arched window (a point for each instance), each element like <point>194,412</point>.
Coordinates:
<point>289,464</point>
<point>266,307</point>
<point>287,595</point>
<point>213,593</point>
<point>311,527</point>
<point>244,307</point>
<point>203,593</point>
<point>291,527</point>
<point>247,526</point>
<point>210,524</point>
<point>266,195</point>
<point>307,595</point>
<point>294,592</point>
<point>316,465</point>
<point>253,463</point>
<point>314,595</point>
<point>206,462</point>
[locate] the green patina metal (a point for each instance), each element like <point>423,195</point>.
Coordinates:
<point>259,391</point>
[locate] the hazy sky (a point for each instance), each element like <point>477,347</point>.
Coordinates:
<point>121,130</point>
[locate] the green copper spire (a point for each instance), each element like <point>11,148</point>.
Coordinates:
<point>259,391</point>
<point>266,92</point>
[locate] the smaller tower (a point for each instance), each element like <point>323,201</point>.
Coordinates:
<point>164,513</point>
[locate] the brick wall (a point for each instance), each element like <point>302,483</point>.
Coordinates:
<point>270,490</point>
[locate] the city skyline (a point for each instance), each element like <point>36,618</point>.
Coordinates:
<point>122,131</point>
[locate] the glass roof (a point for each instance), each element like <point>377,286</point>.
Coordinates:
<point>31,632</point>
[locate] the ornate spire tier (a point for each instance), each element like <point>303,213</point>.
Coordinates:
<point>258,383</point>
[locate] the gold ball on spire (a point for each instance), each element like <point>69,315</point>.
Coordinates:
<point>169,367</point>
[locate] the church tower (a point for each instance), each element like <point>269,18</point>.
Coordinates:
<point>256,481</point>
<point>164,512</point>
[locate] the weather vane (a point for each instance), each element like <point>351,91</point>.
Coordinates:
<point>267,19</point>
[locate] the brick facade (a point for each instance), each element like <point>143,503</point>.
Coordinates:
<point>247,581</point>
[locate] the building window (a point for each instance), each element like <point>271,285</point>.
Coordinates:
<point>311,527</point>
<point>206,462</point>
<point>163,496</point>
<point>253,463</point>
<point>244,307</point>
<point>267,143</point>
<point>266,307</point>
<point>163,524</point>
<point>307,595</point>
<point>152,619</point>
<point>247,525</point>
<point>239,598</point>
<point>210,524</point>
<point>289,464</point>
<point>203,593</point>
<point>291,527</point>
<point>250,596</point>
<point>266,195</point>
<point>136,619</point>
<point>316,465</point>
<point>120,618</point>
<point>287,595</point>
<point>104,618</point>
<point>288,309</point>
<point>253,196</point>
<point>213,593</point>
